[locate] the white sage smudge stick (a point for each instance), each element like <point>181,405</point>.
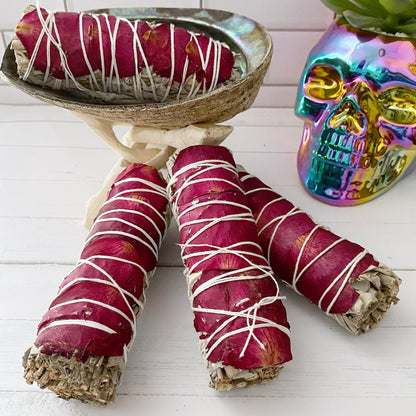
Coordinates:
<point>239,316</point>
<point>83,339</point>
<point>118,60</point>
<point>342,278</point>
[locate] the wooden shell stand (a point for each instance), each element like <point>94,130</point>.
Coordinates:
<point>157,130</point>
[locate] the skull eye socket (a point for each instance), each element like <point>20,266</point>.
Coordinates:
<point>323,83</point>
<point>398,105</point>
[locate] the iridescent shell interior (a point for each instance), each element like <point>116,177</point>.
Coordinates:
<point>248,39</point>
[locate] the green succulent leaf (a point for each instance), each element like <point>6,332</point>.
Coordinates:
<point>367,6</point>
<point>409,29</point>
<point>373,7</point>
<point>362,22</point>
<point>389,16</point>
<point>398,6</point>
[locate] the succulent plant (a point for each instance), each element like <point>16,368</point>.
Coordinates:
<point>390,16</point>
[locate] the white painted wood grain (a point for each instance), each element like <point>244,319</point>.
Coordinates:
<point>169,279</point>
<point>50,240</point>
<point>165,359</point>
<point>45,404</point>
<point>13,96</point>
<point>3,44</point>
<point>7,36</point>
<point>11,14</point>
<point>35,114</point>
<point>34,201</point>
<point>77,135</point>
<point>281,14</point>
<point>49,164</point>
<point>282,96</point>
<point>282,117</point>
<point>263,117</point>
<point>66,165</point>
<point>54,133</point>
<point>290,50</point>
<point>69,147</point>
<point>78,5</point>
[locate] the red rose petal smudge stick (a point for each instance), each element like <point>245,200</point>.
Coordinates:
<point>340,277</point>
<point>116,59</point>
<point>83,339</point>
<point>238,313</point>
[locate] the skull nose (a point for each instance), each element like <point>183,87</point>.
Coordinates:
<point>349,117</point>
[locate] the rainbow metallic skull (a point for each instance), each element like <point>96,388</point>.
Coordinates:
<point>357,97</point>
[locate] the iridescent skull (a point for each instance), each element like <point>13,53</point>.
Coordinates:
<point>357,97</point>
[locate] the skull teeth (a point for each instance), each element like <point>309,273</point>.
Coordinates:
<point>335,181</point>
<point>346,150</point>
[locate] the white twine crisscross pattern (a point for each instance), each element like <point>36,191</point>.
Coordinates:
<point>93,262</point>
<point>102,82</point>
<point>253,270</point>
<point>342,278</point>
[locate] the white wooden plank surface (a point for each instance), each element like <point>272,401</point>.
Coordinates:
<point>77,5</point>
<point>164,362</point>
<point>276,96</point>
<point>280,14</point>
<point>29,405</point>
<point>50,163</point>
<point>11,14</point>
<point>289,55</point>
<point>167,345</point>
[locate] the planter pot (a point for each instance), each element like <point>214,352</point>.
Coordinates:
<point>357,97</point>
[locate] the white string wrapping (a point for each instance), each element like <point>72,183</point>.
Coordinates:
<point>111,82</point>
<point>209,251</point>
<point>342,278</point>
<point>132,302</point>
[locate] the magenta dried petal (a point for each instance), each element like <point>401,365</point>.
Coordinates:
<point>238,296</point>
<point>81,342</point>
<point>117,59</point>
<point>275,347</point>
<point>230,296</point>
<point>104,246</point>
<point>206,188</point>
<point>227,236</point>
<point>140,170</point>
<point>95,310</point>
<point>28,31</point>
<point>230,282</point>
<point>214,180</point>
<point>200,153</point>
<point>95,291</point>
<point>158,47</point>
<point>239,234</point>
<point>128,40</point>
<point>90,312</point>
<point>220,59</point>
<point>285,247</point>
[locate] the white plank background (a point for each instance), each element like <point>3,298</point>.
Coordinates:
<point>50,163</point>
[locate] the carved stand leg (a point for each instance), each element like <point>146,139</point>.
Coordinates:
<point>149,145</point>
